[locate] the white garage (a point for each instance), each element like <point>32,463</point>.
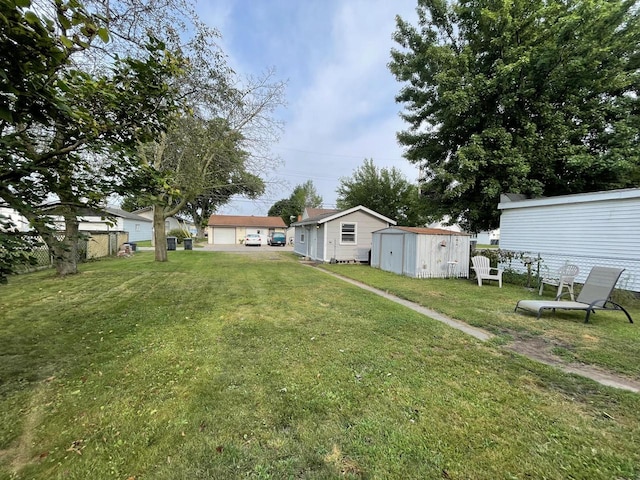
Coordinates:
<point>231,229</point>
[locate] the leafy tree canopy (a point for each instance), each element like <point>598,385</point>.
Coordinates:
<point>524,96</point>
<point>303,196</point>
<point>67,133</point>
<point>386,191</point>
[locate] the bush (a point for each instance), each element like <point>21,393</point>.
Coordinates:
<point>179,234</point>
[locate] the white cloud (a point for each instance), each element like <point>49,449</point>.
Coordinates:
<point>341,93</point>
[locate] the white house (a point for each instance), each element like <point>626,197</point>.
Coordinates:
<point>421,252</point>
<point>339,236</point>
<point>19,222</point>
<point>170,223</point>
<point>589,229</point>
<point>110,219</point>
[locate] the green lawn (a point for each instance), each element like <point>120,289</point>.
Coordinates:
<point>217,366</point>
<point>608,340</point>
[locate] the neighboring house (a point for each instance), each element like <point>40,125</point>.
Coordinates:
<point>170,223</point>
<point>487,237</point>
<point>19,222</point>
<point>589,229</point>
<point>421,252</point>
<point>109,220</point>
<point>231,229</point>
<point>338,236</point>
<point>104,231</point>
<point>291,235</point>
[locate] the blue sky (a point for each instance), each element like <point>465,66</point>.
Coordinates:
<point>340,94</point>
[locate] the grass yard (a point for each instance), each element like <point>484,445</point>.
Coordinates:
<point>221,366</point>
<point>608,340</point>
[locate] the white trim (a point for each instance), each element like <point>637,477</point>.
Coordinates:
<point>622,194</point>
<point>355,233</point>
<point>355,209</point>
<point>311,221</point>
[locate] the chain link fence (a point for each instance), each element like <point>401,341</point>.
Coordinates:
<point>43,258</point>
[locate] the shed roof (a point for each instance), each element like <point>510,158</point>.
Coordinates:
<point>245,221</point>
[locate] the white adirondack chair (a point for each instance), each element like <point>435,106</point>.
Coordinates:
<point>483,270</point>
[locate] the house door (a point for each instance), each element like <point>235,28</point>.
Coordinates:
<point>313,238</point>
<point>391,249</point>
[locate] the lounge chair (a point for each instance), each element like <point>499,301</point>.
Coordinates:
<point>483,270</point>
<point>595,295</point>
<point>565,277</point>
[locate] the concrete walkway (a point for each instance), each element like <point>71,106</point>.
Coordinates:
<point>595,374</point>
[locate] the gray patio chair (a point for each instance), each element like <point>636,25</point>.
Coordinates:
<point>595,295</point>
<point>565,277</point>
<point>483,270</point>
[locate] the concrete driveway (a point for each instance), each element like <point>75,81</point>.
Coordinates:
<point>245,249</point>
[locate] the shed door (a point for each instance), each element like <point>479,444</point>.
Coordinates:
<point>224,236</point>
<point>391,253</point>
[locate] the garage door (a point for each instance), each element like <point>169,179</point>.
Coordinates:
<point>391,253</point>
<point>224,236</point>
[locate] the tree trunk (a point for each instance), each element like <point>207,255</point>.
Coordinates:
<point>65,251</point>
<point>199,231</point>
<point>159,235</point>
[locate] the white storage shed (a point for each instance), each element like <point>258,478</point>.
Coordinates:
<point>421,252</point>
<point>588,229</point>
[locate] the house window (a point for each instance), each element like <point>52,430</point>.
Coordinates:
<point>301,237</point>
<point>348,233</point>
<point>137,227</point>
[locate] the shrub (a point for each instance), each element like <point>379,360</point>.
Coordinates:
<point>179,234</point>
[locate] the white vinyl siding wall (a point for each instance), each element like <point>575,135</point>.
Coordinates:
<point>421,255</point>
<point>601,228</point>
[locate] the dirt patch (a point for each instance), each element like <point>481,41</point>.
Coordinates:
<point>541,350</point>
<point>20,453</point>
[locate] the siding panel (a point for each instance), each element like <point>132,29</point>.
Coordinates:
<point>595,231</point>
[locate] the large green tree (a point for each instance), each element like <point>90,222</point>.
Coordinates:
<point>194,167</point>
<point>303,195</point>
<point>215,153</point>
<point>386,191</point>
<point>525,96</point>
<point>67,134</point>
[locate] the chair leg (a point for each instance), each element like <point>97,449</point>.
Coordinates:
<point>559,292</point>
